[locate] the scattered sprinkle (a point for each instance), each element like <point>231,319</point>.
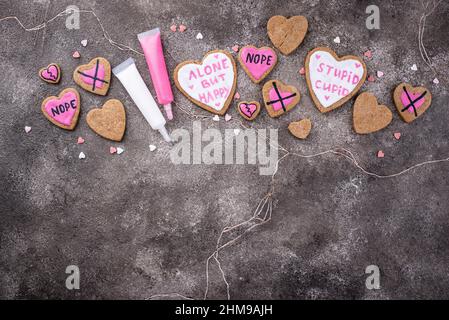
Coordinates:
<point>302,71</point>
<point>120,150</point>
<point>236,132</point>
<point>27,129</point>
<point>80,140</point>
<point>337,40</point>
<point>216,118</point>
<point>237,96</point>
<point>199,36</point>
<point>414,67</point>
<point>84,43</point>
<point>380,74</point>
<point>397,135</point>
<point>173,27</point>
<point>368,54</point>
<point>371,78</point>
<point>152,147</point>
<point>436,81</point>
<point>227,117</point>
<point>182,28</point>
<point>112,150</point>
<point>380,154</point>
<point>235,48</point>
<point>82,155</point>
<point>76,55</point>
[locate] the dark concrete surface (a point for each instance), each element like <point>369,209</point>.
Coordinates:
<point>137,225</point>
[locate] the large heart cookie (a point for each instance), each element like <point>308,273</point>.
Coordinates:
<point>94,77</point>
<point>210,83</point>
<point>249,110</point>
<point>332,81</point>
<point>368,116</point>
<point>108,121</point>
<point>257,62</point>
<point>287,34</point>
<point>411,102</point>
<point>51,73</point>
<point>279,98</point>
<point>64,109</point>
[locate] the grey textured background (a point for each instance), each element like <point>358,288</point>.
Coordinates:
<point>137,225</point>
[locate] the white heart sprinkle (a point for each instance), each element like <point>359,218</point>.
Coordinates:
<point>337,40</point>
<point>120,150</point>
<point>380,74</point>
<point>152,147</point>
<point>436,81</point>
<point>84,42</point>
<point>216,118</point>
<point>82,155</point>
<point>414,67</point>
<point>199,36</point>
<point>236,132</point>
<point>227,117</point>
<point>27,129</point>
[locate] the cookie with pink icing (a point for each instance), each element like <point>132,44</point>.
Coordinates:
<point>63,110</point>
<point>209,83</point>
<point>95,76</point>
<point>279,98</point>
<point>51,73</point>
<point>411,102</point>
<point>257,62</point>
<point>248,109</point>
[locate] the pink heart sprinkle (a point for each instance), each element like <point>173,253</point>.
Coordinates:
<point>318,56</point>
<point>371,78</point>
<point>358,65</point>
<point>182,28</point>
<point>216,56</point>
<point>191,87</point>
<point>173,27</point>
<point>397,135</point>
<point>368,54</point>
<point>217,104</point>
<point>76,55</point>
<point>327,97</point>
<point>112,150</point>
<point>380,154</point>
<point>237,96</point>
<point>80,140</point>
<point>302,71</point>
<point>235,48</point>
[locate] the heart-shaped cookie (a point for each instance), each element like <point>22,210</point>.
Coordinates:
<point>64,109</point>
<point>249,110</point>
<point>94,77</point>
<point>332,81</point>
<point>257,62</point>
<point>51,73</point>
<point>411,102</point>
<point>108,121</point>
<point>287,34</point>
<point>279,98</point>
<point>210,83</point>
<point>368,116</point>
<point>300,129</point>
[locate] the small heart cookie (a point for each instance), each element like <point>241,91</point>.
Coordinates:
<point>94,77</point>
<point>63,110</point>
<point>368,116</point>
<point>249,110</point>
<point>209,83</point>
<point>51,73</point>
<point>411,102</point>
<point>287,34</point>
<point>108,121</point>
<point>279,98</point>
<point>300,129</point>
<point>257,62</point>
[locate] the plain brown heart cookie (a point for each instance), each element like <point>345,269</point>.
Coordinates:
<point>411,102</point>
<point>300,129</point>
<point>279,98</point>
<point>368,116</point>
<point>108,121</point>
<point>287,34</point>
<point>94,77</point>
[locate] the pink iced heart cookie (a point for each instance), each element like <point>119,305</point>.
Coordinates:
<point>209,83</point>
<point>51,73</point>
<point>249,110</point>
<point>279,98</point>
<point>332,81</point>
<point>94,77</point>
<point>64,109</point>
<point>257,62</point>
<point>411,102</point>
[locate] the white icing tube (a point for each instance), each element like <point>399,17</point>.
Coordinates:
<point>131,79</point>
